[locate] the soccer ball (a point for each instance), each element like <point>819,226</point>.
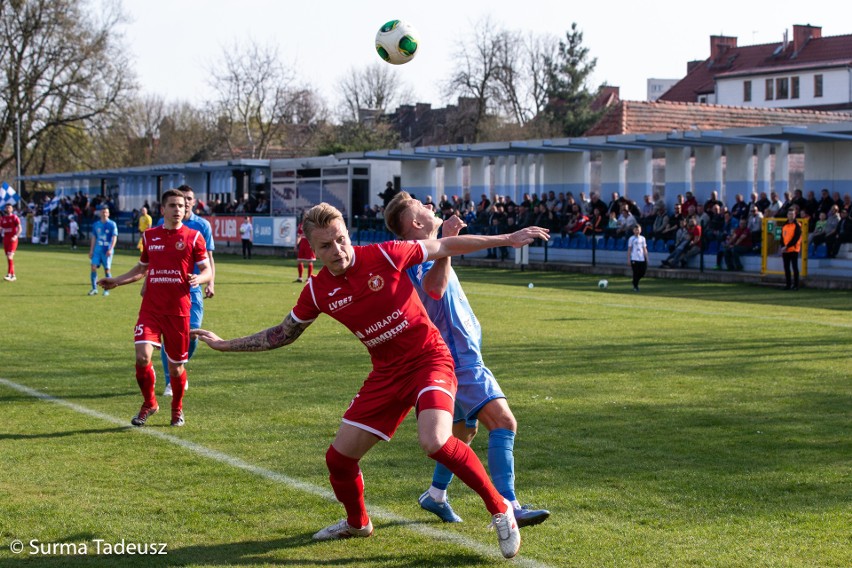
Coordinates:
<point>396,42</point>
<point>602,284</point>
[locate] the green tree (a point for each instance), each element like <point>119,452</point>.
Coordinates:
<point>569,99</point>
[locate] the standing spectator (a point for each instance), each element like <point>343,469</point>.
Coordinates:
<point>388,194</point>
<point>145,223</point>
<point>11,227</point>
<point>304,253</point>
<point>412,365</point>
<point>247,237</point>
<point>637,256</point>
<point>791,244</point>
<point>73,231</point>
<point>169,256</point>
<point>842,235</point>
<point>102,246</point>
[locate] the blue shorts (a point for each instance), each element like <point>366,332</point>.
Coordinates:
<point>477,387</point>
<point>196,310</point>
<point>100,258</point>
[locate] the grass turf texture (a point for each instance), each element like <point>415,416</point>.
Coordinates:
<point>692,424</point>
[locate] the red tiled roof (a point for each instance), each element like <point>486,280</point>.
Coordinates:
<point>641,117</point>
<point>765,58</point>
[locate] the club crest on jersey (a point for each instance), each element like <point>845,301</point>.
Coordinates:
<point>180,245</point>
<point>376,283</point>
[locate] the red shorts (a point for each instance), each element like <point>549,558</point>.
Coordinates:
<point>173,329</point>
<point>385,399</point>
<point>9,245</point>
<point>305,251</point>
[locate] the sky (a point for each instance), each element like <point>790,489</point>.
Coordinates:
<point>174,43</point>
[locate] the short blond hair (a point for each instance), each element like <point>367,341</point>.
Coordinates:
<point>395,211</point>
<point>319,217</point>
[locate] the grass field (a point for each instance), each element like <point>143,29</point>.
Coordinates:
<point>693,424</point>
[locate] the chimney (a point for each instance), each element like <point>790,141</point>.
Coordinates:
<point>801,35</point>
<point>719,45</point>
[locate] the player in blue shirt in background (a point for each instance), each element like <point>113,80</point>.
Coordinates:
<point>196,315</point>
<point>479,396</point>
<point>104,237</point>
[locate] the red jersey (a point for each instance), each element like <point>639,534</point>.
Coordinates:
<point>9,225</point>
<point>170,256</point>
<point>304,250</point>
<point>376,300</point>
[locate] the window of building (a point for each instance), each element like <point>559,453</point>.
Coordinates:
<point>817,85</point>
<point>794,87</point>
<point>782,88</point>
<point>770,89</point>
<point>747,91</point>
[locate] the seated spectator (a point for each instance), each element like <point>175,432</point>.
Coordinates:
<point>830,227</point>
<point>715,226</point>
<point>670,232</point>
<point>819,229</point>
<point>648,214</point>
<point>661,225</point>
<point>755,225</point>
<point>595,226</point>
<point>713,200</point>
<point>611,225</point>
<point>738,245</point>
<point>578,221</point>
<point>739,209</point>
<point>626,222</point>
<point>842,235</point>
<point>690,247</point>
<point>775,205</point>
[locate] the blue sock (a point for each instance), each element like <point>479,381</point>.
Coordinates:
<point>442,477</point>
<point>94,277</point>
<point>165,361</point>
<point>501,461</point>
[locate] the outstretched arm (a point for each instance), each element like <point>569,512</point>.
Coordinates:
<point>280,335</point>
<point>437,278</point>
<point>132,275</point>
<point>454,246</point>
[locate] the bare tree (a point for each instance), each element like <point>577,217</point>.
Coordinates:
<point>523,74</point>
<point>256,96</point>
<point>478,63</point>
<point>376,87</point>
<point>63,73</point>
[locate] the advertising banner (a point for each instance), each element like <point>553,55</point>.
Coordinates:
<point>225,229</point>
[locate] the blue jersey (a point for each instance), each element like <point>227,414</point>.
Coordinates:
<point>104,233</point>
<point>201,225</point>
<point>453,317</point>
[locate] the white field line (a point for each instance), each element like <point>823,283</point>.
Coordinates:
<point>291,482</point>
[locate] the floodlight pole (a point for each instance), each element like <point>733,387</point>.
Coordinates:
<point>18,154</point>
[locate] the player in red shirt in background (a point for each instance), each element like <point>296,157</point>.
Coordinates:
<point>10,226</point>
<point>169,254</point>
<point>367,289</point>
<point>304,253</point>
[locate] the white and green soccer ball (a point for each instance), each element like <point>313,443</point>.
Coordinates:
<point>397,42</point>
<point>602,284</point>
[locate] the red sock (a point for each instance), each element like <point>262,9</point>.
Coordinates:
<point>348,485</point>
<point>146,378</point>
<point>11,266</point>
<point>178,387</point>
<point>462,461</point>
<point>301,269</point>
<point>310,269</point>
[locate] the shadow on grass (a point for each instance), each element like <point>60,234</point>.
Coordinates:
<point>63,434</point>
<point>297,550</point>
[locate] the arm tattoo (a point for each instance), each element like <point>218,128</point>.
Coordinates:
<point>280,335</point>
